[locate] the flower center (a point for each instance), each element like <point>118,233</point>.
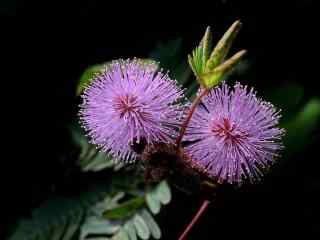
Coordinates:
<point>125,104</point>
<point>226,129</point>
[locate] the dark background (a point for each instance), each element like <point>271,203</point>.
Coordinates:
<point>46,47</point>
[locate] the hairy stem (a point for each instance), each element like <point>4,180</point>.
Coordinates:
<point>184,125</point>
<point>196,217</point>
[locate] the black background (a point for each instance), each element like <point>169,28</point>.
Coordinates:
<point>47,45</point>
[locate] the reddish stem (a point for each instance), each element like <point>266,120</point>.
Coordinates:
<point>195,103</point>
<point>201,210</point>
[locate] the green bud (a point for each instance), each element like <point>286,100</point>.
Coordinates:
<point>210,70</point>
<point>214,77</point>
<point>200,55</point>
<point>206,43</point>
<point>223,46</point>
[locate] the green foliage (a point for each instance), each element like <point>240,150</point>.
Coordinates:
<point>213,77</point>
<point>125,209</point>
<point>299,127</point>
<point>114,218</point>
<point>130,230</point>
<point>58,218</point>
<point>299,119</point>
<point>156,196</point>
<point>210,71</point>
<point>89,74</point>
<point>141,227</point>
<point>200,55</point>
<point>222,48</point>
<point>90,159</point>
<point>196,61</point>
<point>153,202</point>
<point>151,223</point>
<point>117,209</point>
<point>163,192</point>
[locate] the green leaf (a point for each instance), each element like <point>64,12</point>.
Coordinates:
<point>223,46</point>
<point>299,129</point>
<point>211,79</point>
<point>72,227</point>
<point>152,201</point>
<point>79,139</point>
<point>131,231</point>
<point>121,235</point>
<point>95,225</point>
<point>192,65</point>
<point>88,152</point>
<point>116,198</point>
<point>214,77</point>
<point>198,59</point>
<point>99,238</point>
<point>58,231</point>
<point>152,224</point>
<point>90,159</point>
<point>141,227</point>
<point>98,162</point>
<point>59,213</point>
<point>163,192</point>
<point>125,209</point>
<point>109,202</point>
<point>89,74</point>
<point>206,46</point>
<point>210,71</point>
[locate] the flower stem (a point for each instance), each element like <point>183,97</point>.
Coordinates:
<point>201,210</point>
<point>195,103</point>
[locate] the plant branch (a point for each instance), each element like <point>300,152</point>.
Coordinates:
<point>195,103</point>
<point>201,210</point>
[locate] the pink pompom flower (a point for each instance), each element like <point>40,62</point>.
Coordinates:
<point>128,103</point>
<point>233,135</point>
